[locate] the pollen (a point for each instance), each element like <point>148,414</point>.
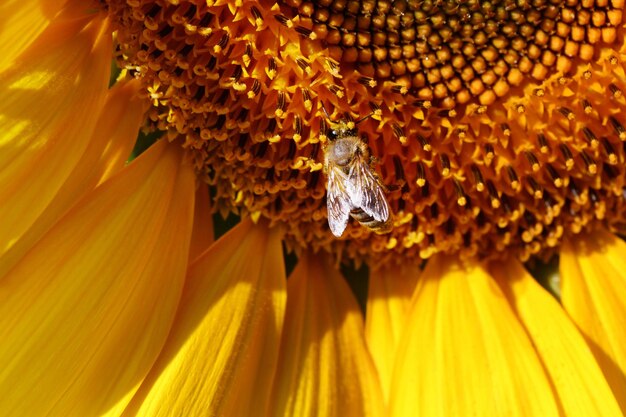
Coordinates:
<point>497,127</point>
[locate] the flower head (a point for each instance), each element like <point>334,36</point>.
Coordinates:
<point>498,125</point>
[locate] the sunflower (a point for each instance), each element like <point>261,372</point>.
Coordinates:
<point>496,127</point>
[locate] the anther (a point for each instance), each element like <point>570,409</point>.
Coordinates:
<point>323,127</point>
<point>314,150</point>
<point>332,67</point>
<point>478,179</point>
<point>283,20</point>
<point>261,149</point>
<point>297,127</point>
<point>375,108</point>
<point>200,91</point>
<point>237,72</point>
<point>206,19</point>
<point>280,105</point>
<point>153,11</point>
<point>425,104</point>
<point>243,140</point>
<point>219,123</point>
<point>243,115</point>
<point>619,129</point>
<point>184,51</point>
<point>397,165</point>
<point>255,89</point>
<point>304,65</point>
<point>165,31</point>
<point>307,33</point>
<point>587,106</point>
<point>400,89</point>
<point>617,93</point>
<point>532,160</point>
<point>567,156</point>
<point>592,167</point>
<point>489,153</point>
<point>493,194</point>
<point>554,176</point>
<point>610,171</point>
<point>191,11</point>
<point>567,113</point>
<point>271,127</point>
<point>512,177</point>
<point>271,68</point>
<point>306,98</point>
<point>574,190</point>
<point>506,129</point>
<point>291,152</point>
<point>610,152</point>
<point>421,175</point>
<point>445,164</point>
<point>336,90</point>
<point>222,43</point>
<point>367,81</point>
<point>425,143</point>
<point>537,192</point>
<point>258,17</point>
<point>591,137</point>
<point>210,65</point>
<point>399,133</point>
<point>221,100</point>
<point>247,55</point>
<point>544,147</point>
<point>314,179</point>
<point>461,198</point>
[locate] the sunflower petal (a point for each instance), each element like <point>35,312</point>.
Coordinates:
<point>464,352</point>
<point>388,301</point>
<point>21,22</point>
<point>85,313</point>
<point>221,355</point>
<point>50,106</point>
<point>106,153</point>
<point>324,367</point>
<point>593,284</point>
<point>202,235</point>
<point>575,374</point>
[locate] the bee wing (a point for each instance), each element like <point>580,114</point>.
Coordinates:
<point>366,191</point>
<point>337,201</point>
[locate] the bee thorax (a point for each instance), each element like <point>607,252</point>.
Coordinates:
<point>342,151</point>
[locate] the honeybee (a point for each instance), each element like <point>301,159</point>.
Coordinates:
<point>352,187</point>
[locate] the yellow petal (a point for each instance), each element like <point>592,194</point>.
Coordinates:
<point>576,376</point>
<point>21,23</point>
<point>324,366</point>
<point>106,153</point>
<point>202,235</point>
<point>221,355</point>
<point>593,288</point>
<point>85,313</point>
<point>49,108</point>
<point>388,301</point>
<point>116,132</point>
<point>464,353</point>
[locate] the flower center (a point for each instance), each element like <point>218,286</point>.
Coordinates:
<point>498,126</point>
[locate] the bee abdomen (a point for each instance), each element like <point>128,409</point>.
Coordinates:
<point>370,222</point>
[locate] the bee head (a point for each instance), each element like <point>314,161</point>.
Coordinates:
<point>341,129</point>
